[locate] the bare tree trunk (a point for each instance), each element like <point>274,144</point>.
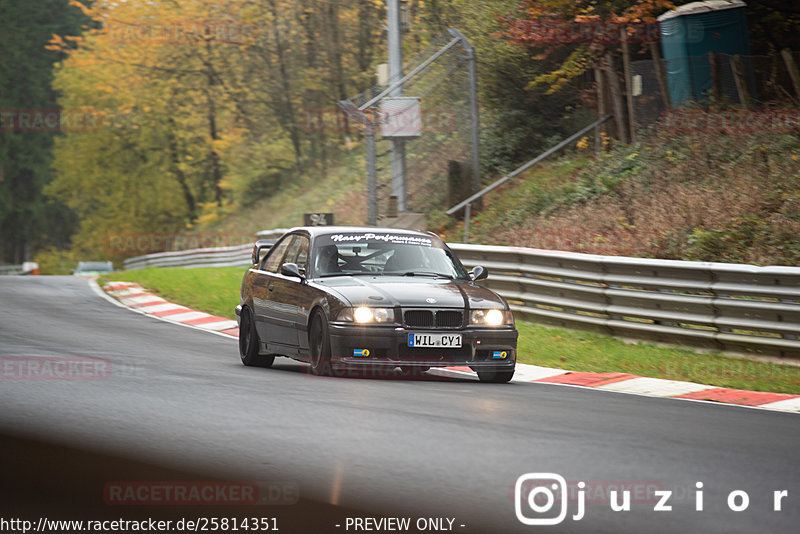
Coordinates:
<point>616,98</point>
<point>335,54</point>
<point>288,112</point>
<point>335,51</point>
<point>180,176</point>
<point>661,75</point>
<point>213,157</point>
<point>365,52</point>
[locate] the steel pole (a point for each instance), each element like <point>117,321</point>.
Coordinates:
<point>395,42</point>
<point>473,109</point>
<point>372,182</point>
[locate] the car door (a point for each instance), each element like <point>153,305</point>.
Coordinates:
<point>296,295</point>
<point>273,321</point>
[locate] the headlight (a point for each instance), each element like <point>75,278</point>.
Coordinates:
<point>491,317</point>
<point>364,315</point>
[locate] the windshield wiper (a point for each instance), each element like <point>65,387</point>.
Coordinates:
<point>331,275</point>
<point>425,273</point>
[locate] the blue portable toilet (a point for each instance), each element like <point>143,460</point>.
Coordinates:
<point>689,33</point>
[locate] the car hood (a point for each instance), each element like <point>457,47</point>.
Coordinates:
<point>406,291</point>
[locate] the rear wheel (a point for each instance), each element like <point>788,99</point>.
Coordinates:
<point>320,343</point>
<point>249,343</point>
<point>495,376</point>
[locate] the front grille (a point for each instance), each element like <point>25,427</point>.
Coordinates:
<point>449,318</point>
<point>433,318</point>
<point>419,318</point>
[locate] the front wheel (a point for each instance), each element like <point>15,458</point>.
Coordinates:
<point>495,376</point>
<point>249,342</point>
<point>320,343</point>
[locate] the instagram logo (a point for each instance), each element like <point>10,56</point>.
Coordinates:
<point>541,498</point>
<point>538,492</point>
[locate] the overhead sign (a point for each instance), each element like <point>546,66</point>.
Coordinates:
<point>401,117</point>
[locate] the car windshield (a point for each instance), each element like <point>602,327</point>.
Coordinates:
<point>385,254</point>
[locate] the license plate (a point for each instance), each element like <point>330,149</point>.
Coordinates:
<point>443,341</point>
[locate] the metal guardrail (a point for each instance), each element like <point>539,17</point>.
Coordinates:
<point>11,269</point>
<point>466,204</point>
<point>720,306</point>
<point>232,256</point>
<point>201,257</point>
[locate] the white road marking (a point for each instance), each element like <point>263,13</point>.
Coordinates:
<point>183,317</point>
<point>141,300</point>
<point>219,325</point>
<point>655,386</point>
<point>529,373</point>
<point>788,405</point>
<point>162,307</point>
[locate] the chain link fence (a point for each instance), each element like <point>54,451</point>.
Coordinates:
<point>439,159</point>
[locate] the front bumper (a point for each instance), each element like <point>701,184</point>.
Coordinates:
<point>375,345</point>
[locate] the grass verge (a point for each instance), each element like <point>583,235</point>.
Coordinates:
<point>216,290</point>
<point>213,290</point>
<point>587,351</point>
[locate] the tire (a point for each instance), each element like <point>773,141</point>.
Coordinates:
<point>249,343</point>
<point>495,376</point>
<point>319,341</point>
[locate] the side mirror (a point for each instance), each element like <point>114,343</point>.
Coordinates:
<point>258,247</point>
<point>478,273</point>
<point>291,269</point>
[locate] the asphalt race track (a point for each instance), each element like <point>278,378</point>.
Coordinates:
<point>169,403</point>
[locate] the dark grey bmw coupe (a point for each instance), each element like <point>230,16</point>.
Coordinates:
<point>356,297</point>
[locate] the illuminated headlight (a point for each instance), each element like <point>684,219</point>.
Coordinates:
<point>363,315</point>
<point>491,317</point>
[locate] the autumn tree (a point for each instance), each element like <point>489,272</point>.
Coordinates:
<point>28,220</point>
<point>583,53</point>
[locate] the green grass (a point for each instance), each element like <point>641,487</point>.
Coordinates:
<point>212,290</point>
<point>587,351</point>
<point>216,290</point>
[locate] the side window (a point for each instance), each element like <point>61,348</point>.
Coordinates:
<point>297,252</point>
<point>272,262</point>
<point>301,259</point>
